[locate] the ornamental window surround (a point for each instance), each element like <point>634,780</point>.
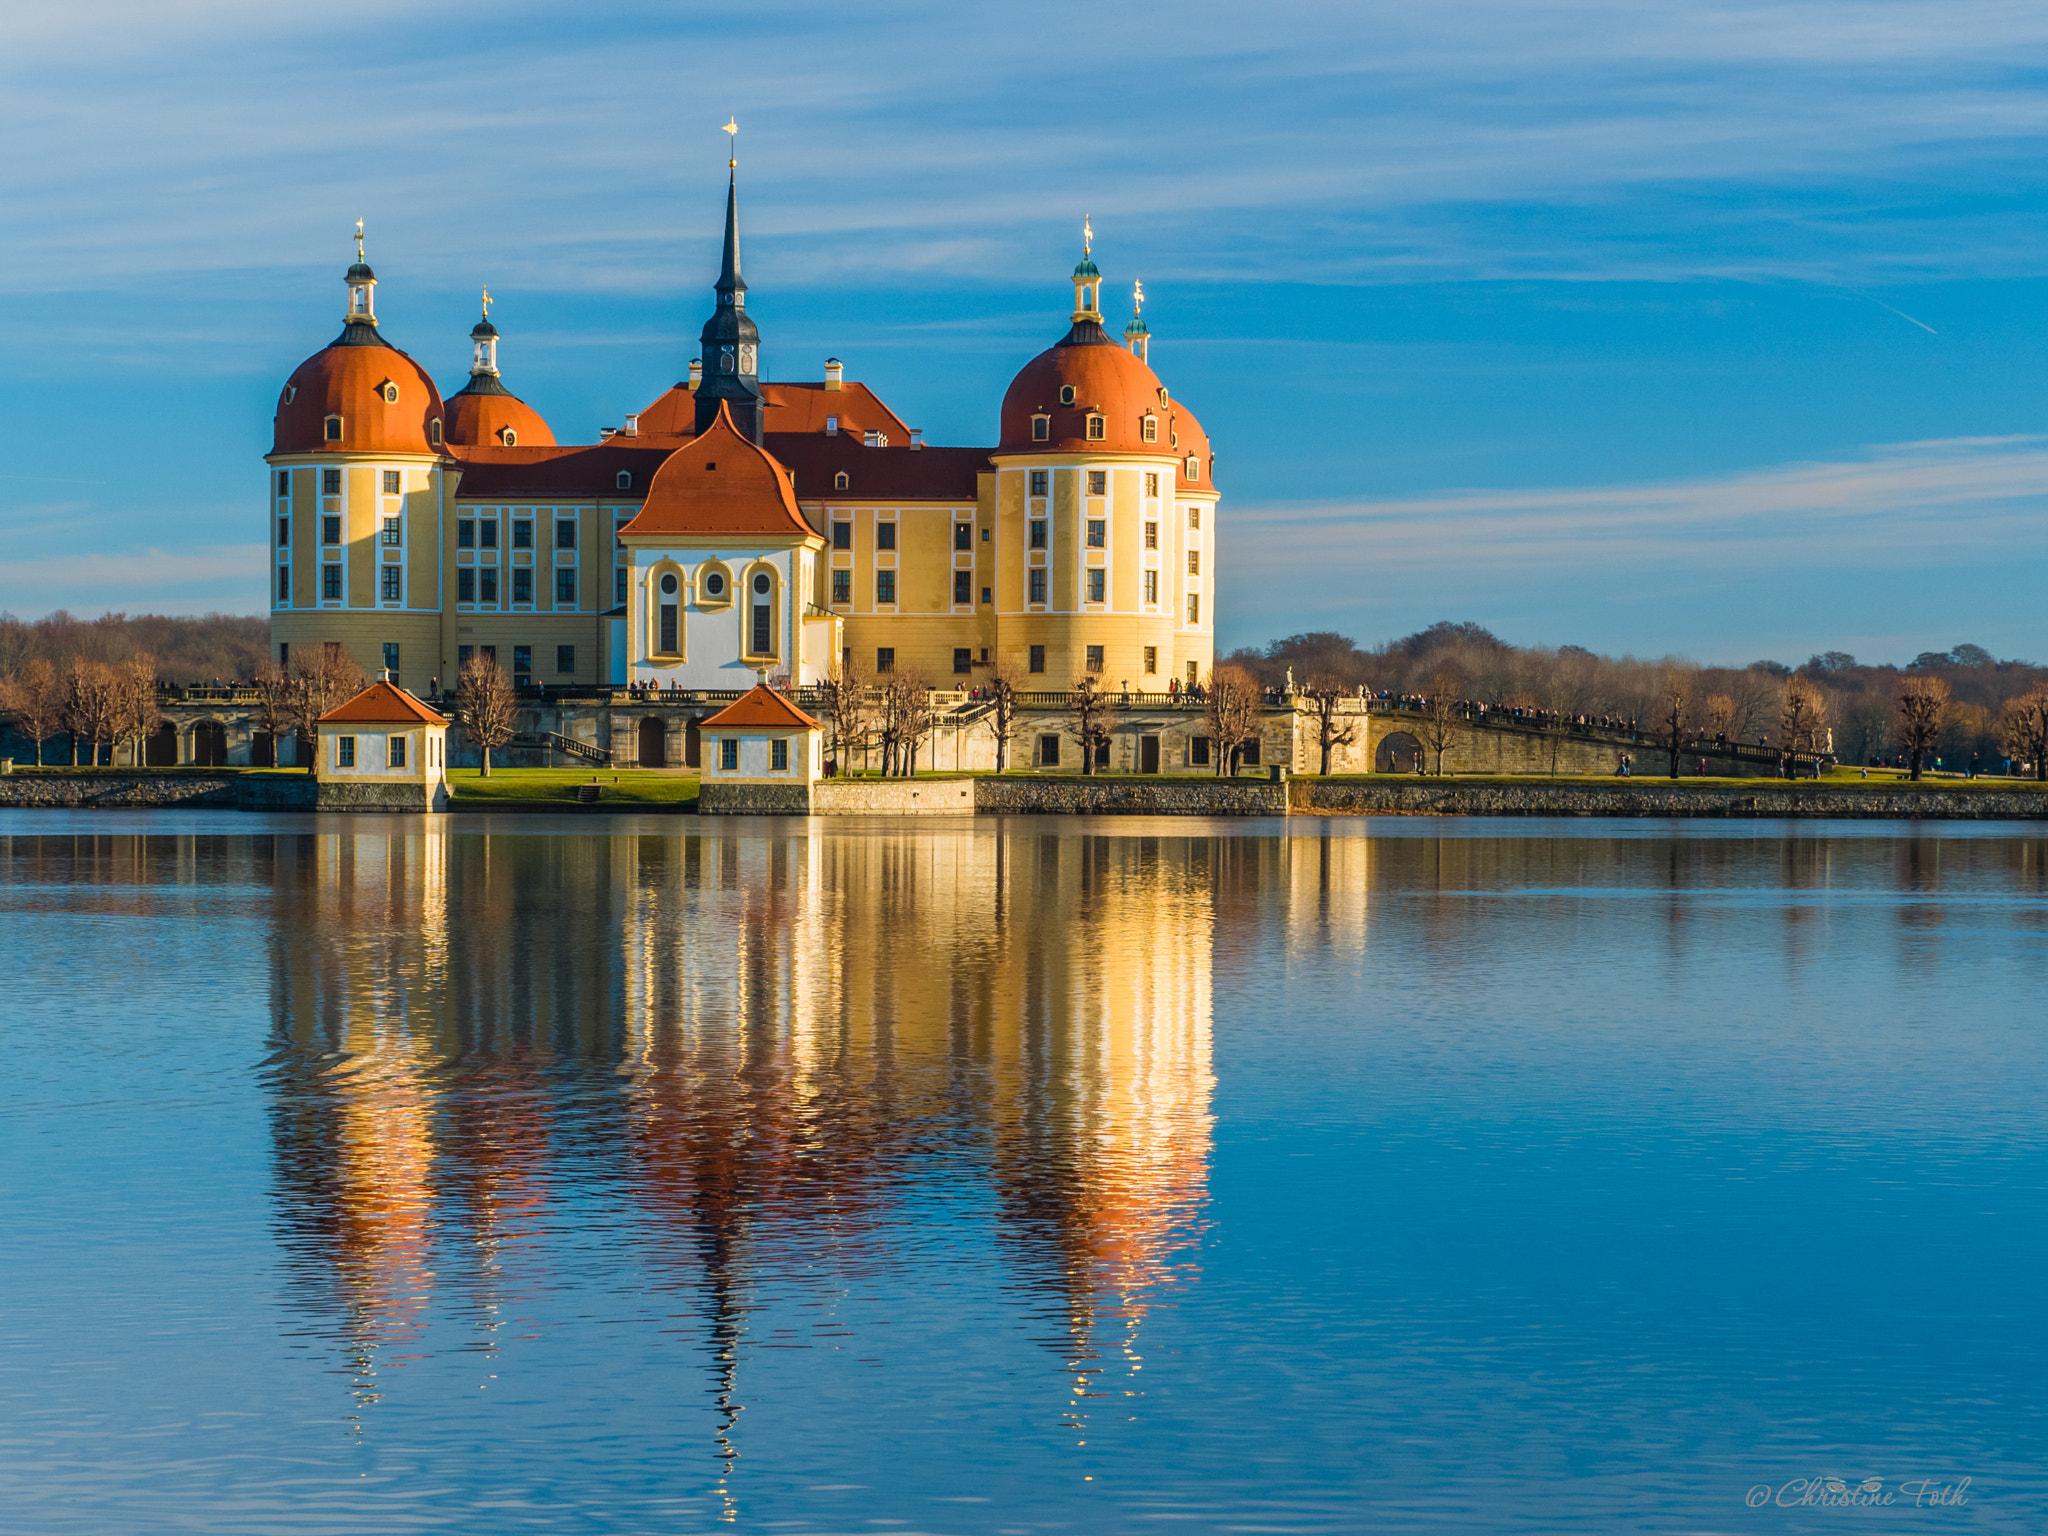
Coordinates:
<point>333,429</point>
<point>1041,429</point>
<point>1148,429</point>
<point>389,391</point>
<point>1066,394</point>
<point>1097,428</point>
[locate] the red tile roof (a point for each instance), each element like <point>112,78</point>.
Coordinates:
<point>791,408</point>
<point>345,381</point>
<point>878,474</point>
<point>492,473</point>
<point>720,483</point>
<point>759,706</point>
<point>382,704</point>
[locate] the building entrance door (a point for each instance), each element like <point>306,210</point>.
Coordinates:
<point>1148,754</point>
<point>653,742</point>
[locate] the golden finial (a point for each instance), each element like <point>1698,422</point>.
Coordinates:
<point>487,303</point>
<point>1137,298</point>
<point>1087,235</point>
<point>732,126</point>
<point>359,239</point>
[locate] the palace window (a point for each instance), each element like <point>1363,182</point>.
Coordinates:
<point>490,533</point>
<point>565,660</point>
<point>963,535</point>
<point>1040,478</point>
<point>714,586</point>
<point>1152,483</point>
<point>434,431</point>
<point>1194,608</point>
<point>778,755</point>
<point>284,532</point>
<point>985,597</point>
<point>842,535</point>
<point>1095,429</point>
<point>508,437</point>
<point>1098,482</point>
<point>330,480</point>
<point>885,535</point>
<point>1194,468</point>
<point>565,533</point>
<point>394,751</point>
<point>1198,752</point>
<point>1248,754</point>
<point>1048,751</point>
<point>522,663</point>
<point>1041,429</point>
<point>667,641</point>
<point>330,583</point>
<point>391,658</point>
<point>963,660</point>
<point>1098,533</point>
<point>284,583</point>
<point>1151,586</point>
<point>330,530</point>
<point>487,586</point>
<point>619,585</point>
<point>963,586</point>
<point>885,586</point>
<point>1151,535</point>
<point>1148,429</point>
<point>1037,658</point>
<point>1038,585</point>
<point>840,481</point>
<point>284,482</point>
<point>465,533</point>
<point>1038,533</point>
<point>465,585</point>
<point>522,533</point>
<point>885,658</point>
<point>391,587</point>
<point>1095,584</point>
<point>762,587</point>
<point>391,482</point>
<point>390,394</point>
<point>1194,517</point>
<point>391,534</point>
<point>1194,562</point>
<point>1094,658</point>
<point>565,587</point>
<point>842,586</point>
<point>522,584</point>
<point>1151,659</point>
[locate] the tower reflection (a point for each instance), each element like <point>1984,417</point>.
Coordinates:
<point>754,1066</point>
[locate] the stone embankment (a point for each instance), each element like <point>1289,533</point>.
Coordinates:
<point>1165,796</point>
<point>1632,797</point>
<point>115,790</point>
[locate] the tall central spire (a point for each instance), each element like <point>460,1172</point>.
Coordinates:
<point>731,344</point>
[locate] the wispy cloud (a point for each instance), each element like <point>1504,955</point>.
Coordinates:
<point>220,578</point>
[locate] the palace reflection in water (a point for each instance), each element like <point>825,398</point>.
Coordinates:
<point>757,1061</point>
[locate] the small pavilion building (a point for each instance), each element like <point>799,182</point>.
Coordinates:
<point>761,755</point>
<point>383,750</point>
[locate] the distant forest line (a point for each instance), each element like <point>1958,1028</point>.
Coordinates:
<point>1563,680</point>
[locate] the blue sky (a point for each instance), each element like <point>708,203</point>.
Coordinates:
<point>1715,329</point>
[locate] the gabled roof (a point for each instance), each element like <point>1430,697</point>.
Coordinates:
<point>720,483</point>
<point>495,473</point>
<point>760,705</point>
<point>877,474</point>
<point>382,704</point>
<point>790,408</point>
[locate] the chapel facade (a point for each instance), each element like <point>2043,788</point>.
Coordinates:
<point>734,530</point>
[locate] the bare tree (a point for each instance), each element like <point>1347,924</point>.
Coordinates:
<point>35,698</point>
<point>1094,721</point>
<point>485,706</point>
<point>913,713</point>
<point>274,706</point>
<point>1002,713</point>
<point>1442,710</point>
<point>2023,729</point>
<point>1333,730</point>
<point>1231,706</point>
<point>1924,707</point>
<point>1803,718</point>
<point>89,707</point>
<point>137,712</point>
<point>1674,711</point>
<point>322,678</point>
<point>848,706</point>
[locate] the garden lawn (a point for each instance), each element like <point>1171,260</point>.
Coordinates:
<point>619,787</point>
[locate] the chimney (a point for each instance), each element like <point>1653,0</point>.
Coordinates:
<point>632,424</point>
<point>696,374</point>
<point>834,372</point>
<point>917,437</point>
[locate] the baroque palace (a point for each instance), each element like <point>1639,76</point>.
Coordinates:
<point>734,530</point>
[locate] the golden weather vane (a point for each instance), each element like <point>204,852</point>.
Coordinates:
<point>1087,235</point>
<point>359,239</point>
<point>487,303</point>
<point>732,126</point>
<point>1137,298</point>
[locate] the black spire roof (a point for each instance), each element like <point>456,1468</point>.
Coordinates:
<point>731,342</point>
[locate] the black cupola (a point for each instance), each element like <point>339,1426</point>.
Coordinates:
<point>731,344</point>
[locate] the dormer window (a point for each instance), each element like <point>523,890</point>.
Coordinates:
<point>841,481</point>
<point>434,431</point>
<point>508,437</point>
<point>1095,429</point>
<point>1066,394</point>
<point>872,439</point>
<point>333,433</point>
<point>625,481</point>
<point>831,426</point>
<point>389,391</point>
<point>1041,429</point>
<point>1148,429</point>
<point>291,393</point>
<point>1194,468</point>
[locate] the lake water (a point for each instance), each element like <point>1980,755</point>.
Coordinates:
<point>527,1174</point>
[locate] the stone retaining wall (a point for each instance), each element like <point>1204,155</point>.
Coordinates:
<point>277,792</point>
<point>893,797</point>
<point>1128,797</point>
<point>753,800</point>
<point>1419,797</point>
<point>123,791</point>
<point>398,799</point>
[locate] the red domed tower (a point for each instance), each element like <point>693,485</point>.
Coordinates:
<point>354,486</point>
<point>484,413</point>
<point>1106,512</point>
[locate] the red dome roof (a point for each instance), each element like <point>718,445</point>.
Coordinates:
<point>480,418</point>
<point>1107,381</point>
<point>720,482</point>
<point>349,379</point>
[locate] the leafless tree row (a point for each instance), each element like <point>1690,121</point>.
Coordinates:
<point>99,705</point>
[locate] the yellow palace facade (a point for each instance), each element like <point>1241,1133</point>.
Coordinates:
<point>732,529</point>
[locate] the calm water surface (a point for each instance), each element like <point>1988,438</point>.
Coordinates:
<point>647,1175</point>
